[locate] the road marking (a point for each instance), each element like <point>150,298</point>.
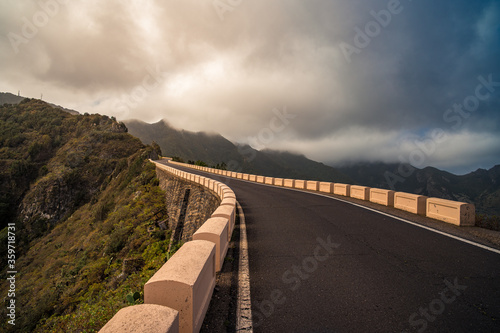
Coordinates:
<point>484,247</point>
<point>415,224</point>
<point>244,305</point>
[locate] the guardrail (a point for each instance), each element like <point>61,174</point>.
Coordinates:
<point>454,212</point>
<point>177,296</point>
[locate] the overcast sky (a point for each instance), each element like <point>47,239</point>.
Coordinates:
<point>337,80</point>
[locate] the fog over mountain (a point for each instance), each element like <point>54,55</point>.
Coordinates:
<point>362,81</point>
<point>481,187</point>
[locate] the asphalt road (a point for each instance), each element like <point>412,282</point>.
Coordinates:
<point>322,265</point>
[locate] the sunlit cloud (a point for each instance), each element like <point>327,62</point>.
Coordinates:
<point>227,75</point>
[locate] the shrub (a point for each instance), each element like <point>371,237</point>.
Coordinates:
<point>117,240</point>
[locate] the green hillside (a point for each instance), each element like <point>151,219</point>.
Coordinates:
<point>84,200</point>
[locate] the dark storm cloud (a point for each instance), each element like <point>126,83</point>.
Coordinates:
<point>226,70</point>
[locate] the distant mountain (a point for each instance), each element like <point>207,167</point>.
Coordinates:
<point>8,98</point>
<point>481,187</point>
<point>214,149</point>
<point>210,148</point>
<point>287,165</point>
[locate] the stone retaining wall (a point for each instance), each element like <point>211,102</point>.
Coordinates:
<point>202,202</point>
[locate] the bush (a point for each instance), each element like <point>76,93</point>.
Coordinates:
<point>15,141</point>
<point>156,253</point>
<point>117,240</point>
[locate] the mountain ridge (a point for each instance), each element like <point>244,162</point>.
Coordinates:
<point>214,149</point>
<point>481,187</point>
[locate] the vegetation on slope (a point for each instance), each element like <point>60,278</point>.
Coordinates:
<point>85,200</point>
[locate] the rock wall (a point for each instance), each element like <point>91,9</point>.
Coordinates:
<point>199,204</point>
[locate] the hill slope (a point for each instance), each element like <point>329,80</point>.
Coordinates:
<point>8,98</point>
<point>84,201</point>
<point>214,149</point>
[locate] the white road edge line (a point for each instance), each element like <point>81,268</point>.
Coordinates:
<point>415,224</point>
<point>244,305</point>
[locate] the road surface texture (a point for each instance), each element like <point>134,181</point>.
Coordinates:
<point>322,265</point>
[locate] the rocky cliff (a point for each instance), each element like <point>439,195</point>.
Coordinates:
<point>86,206</point>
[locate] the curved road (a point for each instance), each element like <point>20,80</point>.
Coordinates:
<point>318,264</point>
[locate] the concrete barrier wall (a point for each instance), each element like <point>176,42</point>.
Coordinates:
<point>177,296</point>
<point>228,201</point>
<point>326,187</point>
<point>212,184</point>
<point>382,197</point>
<point>299,184</point>
<point>360,192</point>
<point>227,192</point>
<point>278,181</point>
<point>215,230</point>
<point>144,318</point>
<point>412,203</point>
<point>342,189</point>
<point>458,213</point>
<point>228,213</point>
<point>185,283</point>
<point>312,185</point>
